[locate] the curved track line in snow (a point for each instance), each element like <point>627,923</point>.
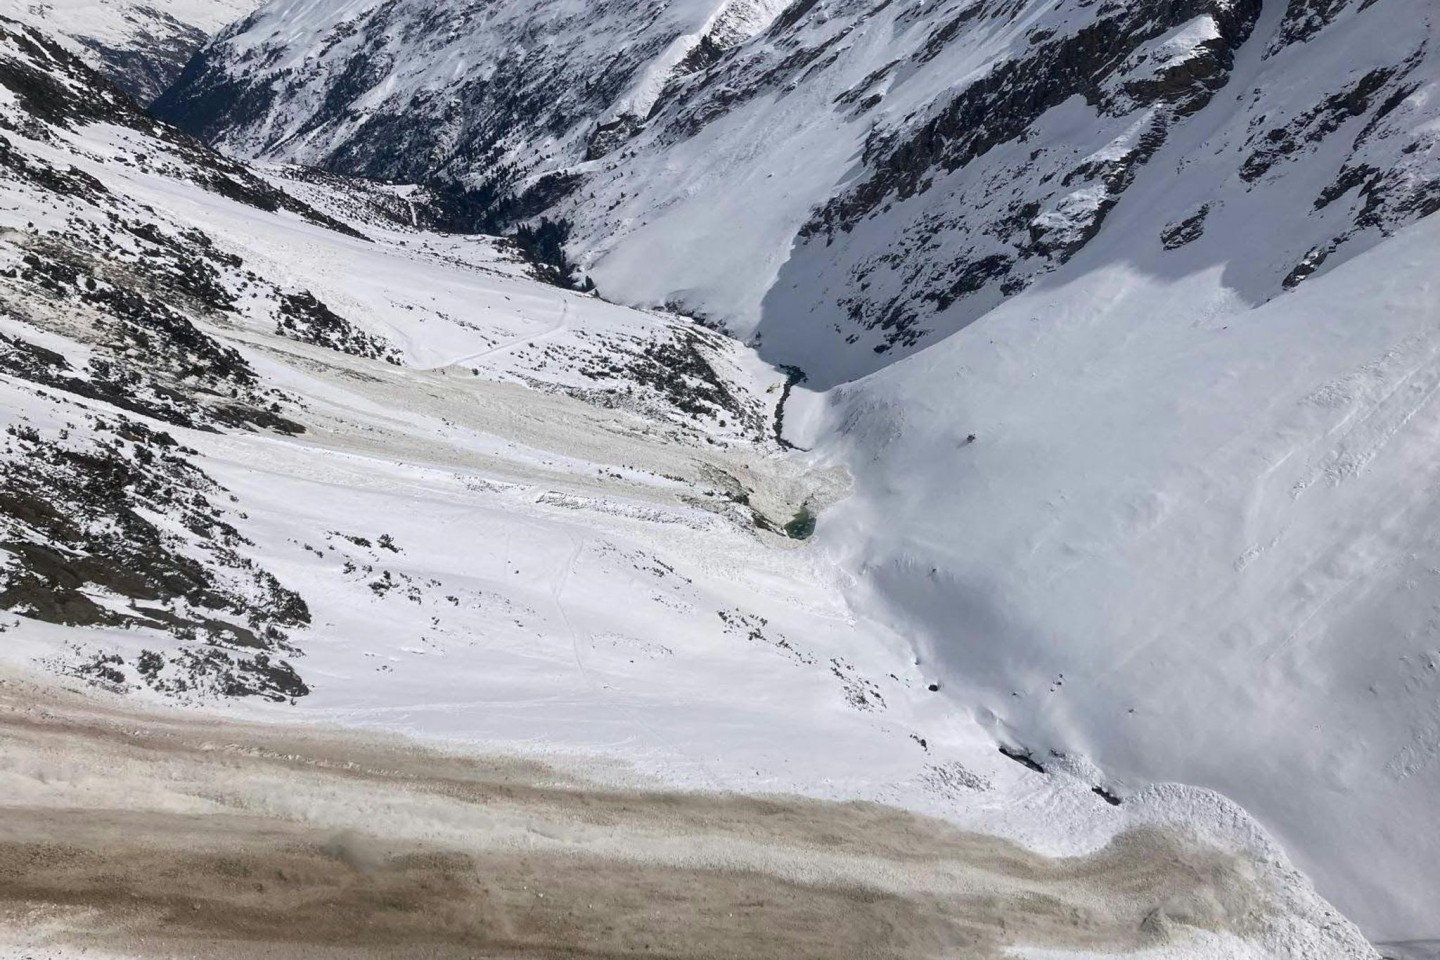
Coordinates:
<point>560,326</point>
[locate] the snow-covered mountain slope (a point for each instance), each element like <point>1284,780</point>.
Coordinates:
<point>861,179</point>
<point>1195,489</point>
<point>145,294</point>
<point>260,459</point>
<point>141,45</point>
<point>480,90</point>
<point>1189,541</point>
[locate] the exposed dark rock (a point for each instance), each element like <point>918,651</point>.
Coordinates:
<point>1304,19</point>
<point>1311,262</point>
<point>609,136</point>
<point>1023,757</point>
<point>462,128</point>
<point>1001,105</point>
<point>680,371</point>
<point>151,60</point>
<point>55,87</point>
<point>74,524</point>
<point>794,376</point>
<point>304,318</point>
<point>1186,231</point>
<point>1046,225</point>
<point>543,244</point>
<point>496,204</point>
<point>150,357</point>
<point>1315,124</point>
<point>1111,798</point>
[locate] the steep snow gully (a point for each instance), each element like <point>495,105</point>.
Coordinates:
<point>362,593</point>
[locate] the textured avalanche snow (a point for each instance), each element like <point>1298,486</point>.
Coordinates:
<point>1190,497</point>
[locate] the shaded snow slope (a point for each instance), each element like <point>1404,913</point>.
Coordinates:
<point>260,460</point>
<point>1191,541</point>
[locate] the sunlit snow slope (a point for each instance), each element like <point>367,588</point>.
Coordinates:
<point>1168,263</point>
<point>485,91</point>
<point>270,450</point>
<point>139,44</point>
<point>860,179</point>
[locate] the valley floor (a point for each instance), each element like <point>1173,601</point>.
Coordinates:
<point>127,831</point>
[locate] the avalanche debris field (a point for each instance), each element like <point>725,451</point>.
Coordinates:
<point>123,830</point>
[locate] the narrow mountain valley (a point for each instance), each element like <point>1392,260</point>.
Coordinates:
<point>719,478</point>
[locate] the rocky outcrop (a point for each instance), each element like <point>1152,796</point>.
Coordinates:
<point>109,522</point>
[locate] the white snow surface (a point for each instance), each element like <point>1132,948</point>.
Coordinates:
<point>1305,151</point>
<point>117,22</point>
<point>1192,541</point>
<point>562,579</point>
<point>714,221</point>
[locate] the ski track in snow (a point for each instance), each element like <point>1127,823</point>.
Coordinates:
<point>560,326</point>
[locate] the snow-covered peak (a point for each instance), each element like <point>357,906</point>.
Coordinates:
<point>139,44</point>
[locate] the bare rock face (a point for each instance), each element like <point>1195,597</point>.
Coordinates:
<point>149,62</point>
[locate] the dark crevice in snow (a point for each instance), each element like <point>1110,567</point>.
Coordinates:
<point>1023,757</point>
<point>793,377</point>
